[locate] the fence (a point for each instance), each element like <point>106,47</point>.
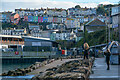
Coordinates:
<point>28,54</point>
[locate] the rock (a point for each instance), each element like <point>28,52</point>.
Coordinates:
<point>49,73</point>
<point>52,69</point>
<point>27,70</point>
<point>34,68</point>
<point>14,74</point>
<point>40,72</point>
<point>71,69</point>
<point>10,73</point>
<point>37,62</point>
<point>37,65</point>
<point>19,73</point>
<point>4,74</point>
<point>35,78</point>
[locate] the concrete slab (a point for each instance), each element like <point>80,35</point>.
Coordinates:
<point>100,70</point>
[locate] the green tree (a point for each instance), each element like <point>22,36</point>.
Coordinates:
<point>119,2</point>
<point>77,6</point>
<point>101,10</point>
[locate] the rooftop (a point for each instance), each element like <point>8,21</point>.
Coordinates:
<point>10,36</point>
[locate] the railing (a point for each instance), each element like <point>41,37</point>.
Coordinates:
<point>13,42</point>
<point>28,54</point>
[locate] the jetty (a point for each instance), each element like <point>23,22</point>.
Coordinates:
<point>51,65</point>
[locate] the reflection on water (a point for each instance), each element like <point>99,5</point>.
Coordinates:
<point>13,66</point>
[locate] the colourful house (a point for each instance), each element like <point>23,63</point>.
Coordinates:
<point>35,18</point>
<point>15,18</point>
<point>55,19</point>
<point>40,19</point>
<point>50,19</point>
<point>59,20</point>
<point>45,19</point>
<point>30,19</point>
<point>25,18</point>
<point>4,18</point>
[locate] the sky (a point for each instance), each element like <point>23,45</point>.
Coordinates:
<point>10,5</point>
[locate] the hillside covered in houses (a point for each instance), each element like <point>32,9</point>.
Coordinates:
<point>62,24</point>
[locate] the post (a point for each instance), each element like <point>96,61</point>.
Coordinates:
<point>37,50</point>
<point>84,34</point>
<point>106,32</point>
<point>109,32</point>
<point>119,37</point>
<point>109,25</point>
<point>119,27</point>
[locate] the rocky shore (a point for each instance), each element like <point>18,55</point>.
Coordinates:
<point>72,69</point>
<point>79,68</point>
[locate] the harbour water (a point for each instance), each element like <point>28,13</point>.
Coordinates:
<point>13,66</point>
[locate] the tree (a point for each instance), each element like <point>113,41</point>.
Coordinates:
<point>100,10</point>
<point>119,2</point>
<point>77,6</point>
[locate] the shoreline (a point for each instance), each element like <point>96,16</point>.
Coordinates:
<point>33,67</point>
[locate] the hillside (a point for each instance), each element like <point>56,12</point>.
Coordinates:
<point>98,37</point>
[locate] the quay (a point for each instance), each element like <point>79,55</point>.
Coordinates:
<point>100,70</point>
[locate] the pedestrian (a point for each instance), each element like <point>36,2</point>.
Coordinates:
<point>107,54</point>
<point>86,49</point>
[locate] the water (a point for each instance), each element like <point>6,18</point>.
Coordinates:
<point>13,66</point>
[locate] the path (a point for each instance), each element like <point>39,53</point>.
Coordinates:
<point>53,64</point>
<point>101,72</point>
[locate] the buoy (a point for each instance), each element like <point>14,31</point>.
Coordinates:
<point>16,52</point>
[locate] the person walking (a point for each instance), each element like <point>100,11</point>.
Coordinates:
<point>107,54</point>
<point>86,49</point>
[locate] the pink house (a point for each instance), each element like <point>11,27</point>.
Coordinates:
<point>15,18</point>
<point>55,19</point>
<point>40,19</point>
<point>25,18</point>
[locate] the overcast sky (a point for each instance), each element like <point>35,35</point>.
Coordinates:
<point>10,5</point>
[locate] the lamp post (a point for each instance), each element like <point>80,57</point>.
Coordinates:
<point>84,33</point>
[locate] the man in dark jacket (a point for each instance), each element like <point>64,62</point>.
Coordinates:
<point>107,54</point>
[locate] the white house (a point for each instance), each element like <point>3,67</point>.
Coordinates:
<point>115,16</point>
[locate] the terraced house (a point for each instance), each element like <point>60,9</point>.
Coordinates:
<point>15,18</point>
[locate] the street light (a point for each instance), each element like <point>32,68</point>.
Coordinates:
<point>84,32</point>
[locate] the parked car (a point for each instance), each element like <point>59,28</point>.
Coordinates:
<point>5,50</point>
<point>8,50</point>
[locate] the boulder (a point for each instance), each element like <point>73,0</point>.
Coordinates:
<point>4,74</point>
<point>10,73</point>
<point>19,73</point>
<point>27,70</point>
<point>49,73</point>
